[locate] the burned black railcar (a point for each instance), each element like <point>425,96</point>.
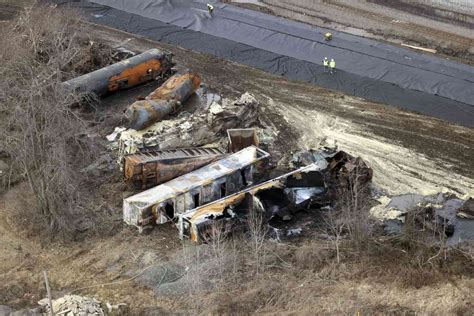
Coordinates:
<point>221,178</point>
<point>276,199</point>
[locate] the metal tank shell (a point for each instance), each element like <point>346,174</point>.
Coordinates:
<point>128,73</point>
<point>163,101</point>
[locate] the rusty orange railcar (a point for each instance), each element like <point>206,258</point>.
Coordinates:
<point>163,101</point>
<point>148,66</point>
<point>147,169</point>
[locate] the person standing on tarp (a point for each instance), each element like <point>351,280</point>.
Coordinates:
<point>332,66</point>
<point>326,64</point>
<point>210,8</point>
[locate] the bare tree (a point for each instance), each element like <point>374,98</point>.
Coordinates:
<point>423,229</point>
<point>257,231</point>
<point>216,239</point>
<point>39,129</point>
<point>350,216</point>
<point>335,226</point>
<point>353,200</point>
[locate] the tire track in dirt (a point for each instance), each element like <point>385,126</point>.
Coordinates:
<point>397,170</point>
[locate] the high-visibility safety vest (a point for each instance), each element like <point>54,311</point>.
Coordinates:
<point>332,64</point>
<point>325,62</point>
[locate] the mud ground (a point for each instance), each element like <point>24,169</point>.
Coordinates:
<point>410,153</point>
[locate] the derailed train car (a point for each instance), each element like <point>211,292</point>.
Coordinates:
<point>166,201</point>
<point>163,101</point>
<point>279,197</point>
<point>128,73</point>
<point>151,168</point>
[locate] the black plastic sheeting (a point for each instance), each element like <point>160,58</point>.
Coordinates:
<point>365,68</point>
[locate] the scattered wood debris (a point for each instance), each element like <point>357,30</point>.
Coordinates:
<point>429,50</point>
<point>71,305</point>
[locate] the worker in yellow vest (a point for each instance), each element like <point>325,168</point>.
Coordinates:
<point>332,66</point>
<point>210,8</point>
<point>326,64</point>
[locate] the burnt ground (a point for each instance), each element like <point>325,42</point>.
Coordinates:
<point>409,153</point>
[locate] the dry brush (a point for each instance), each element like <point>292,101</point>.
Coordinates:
<point>39,129</point>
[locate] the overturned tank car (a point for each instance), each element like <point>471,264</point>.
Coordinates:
<point>149,168</point>
<point>163,101</point>
<point>147,66</point>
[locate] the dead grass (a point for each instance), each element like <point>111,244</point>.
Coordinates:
<point>312,257</point>
<point>19,202</point>
<point>298,276</point>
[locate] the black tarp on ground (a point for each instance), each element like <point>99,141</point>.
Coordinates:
<point>367,68</point>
